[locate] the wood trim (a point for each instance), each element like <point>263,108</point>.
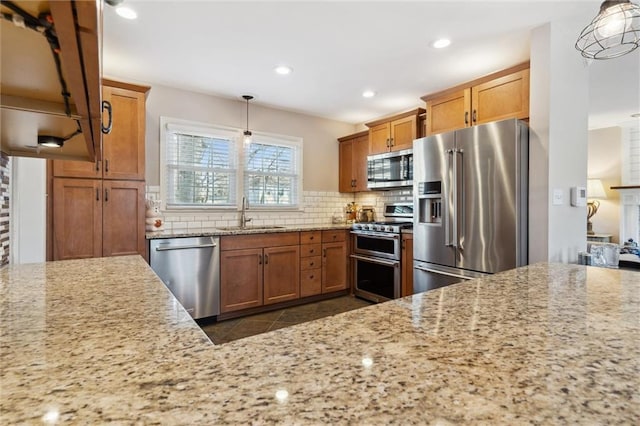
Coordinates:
<point>65,24</point>
<point>416,112</point>
<point>353,136</point>
<point>248,241</point>
<point>49,218</point>
<point>477,81</point>
<point>126,86</point>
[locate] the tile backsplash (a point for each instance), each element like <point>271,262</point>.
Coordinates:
<point>318,209</point>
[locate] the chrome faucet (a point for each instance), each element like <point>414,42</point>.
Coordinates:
<point>243,217</point>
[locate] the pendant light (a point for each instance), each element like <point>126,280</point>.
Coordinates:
<point>247,132</point>
<point>614,32</point>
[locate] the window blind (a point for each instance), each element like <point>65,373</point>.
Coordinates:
<point>271,174</point>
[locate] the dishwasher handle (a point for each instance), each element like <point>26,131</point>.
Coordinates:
<point>192,246</point>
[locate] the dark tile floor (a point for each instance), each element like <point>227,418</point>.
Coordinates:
<point>233,329</point>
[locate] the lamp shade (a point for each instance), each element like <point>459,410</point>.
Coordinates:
<point>595,189</point>
<point>614,32</point>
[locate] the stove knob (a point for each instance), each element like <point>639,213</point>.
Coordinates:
<point>389,229</point>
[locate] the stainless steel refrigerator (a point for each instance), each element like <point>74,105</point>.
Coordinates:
<point>470,195</point>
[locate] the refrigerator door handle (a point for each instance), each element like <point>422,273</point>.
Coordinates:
<point>460,186</point>
<point>454,184</point>
<point>437,271</point>
<point>448,201</point>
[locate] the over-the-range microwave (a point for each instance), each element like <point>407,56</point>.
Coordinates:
<point>390,170</point>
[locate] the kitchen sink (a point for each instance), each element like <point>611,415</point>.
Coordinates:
<point>248,227</point>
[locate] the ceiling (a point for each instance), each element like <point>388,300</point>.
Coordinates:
<point>337,49</point>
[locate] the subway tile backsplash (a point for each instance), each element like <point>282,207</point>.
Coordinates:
<point>318,209</point>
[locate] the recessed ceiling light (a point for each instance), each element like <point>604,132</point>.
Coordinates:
<point>440,43</point>
<point>126,12</point>
<point>636,115</point>
<point>283,70</point>
<point>368,94</point>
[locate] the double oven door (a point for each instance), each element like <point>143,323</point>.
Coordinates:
<point>376,265</point>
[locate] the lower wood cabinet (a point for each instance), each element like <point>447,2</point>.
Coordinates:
<point>258,269</point>
<point>94,218</point>
<point>334,261</point>
<point>407,265</point>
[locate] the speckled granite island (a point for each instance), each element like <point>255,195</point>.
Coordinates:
<point>101,340</point>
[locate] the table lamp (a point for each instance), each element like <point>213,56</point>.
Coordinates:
<point>594,190</point>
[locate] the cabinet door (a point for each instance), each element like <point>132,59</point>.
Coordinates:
<point>403,132</point>
<point>123,148</point>
<point>359,163</point>
<point>502,98</point>
<point>407,265</point>
<point>379,138</point>
<point>123,225</point>
<point>345,172</point>
<point>77,214</point>
<point>81,169</point>
<point>281,274</point>
<point>334,266</point>
<point>449,112</point>
<point>240,279</point>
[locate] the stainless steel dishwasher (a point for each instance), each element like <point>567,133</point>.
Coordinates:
<point>190,268</point>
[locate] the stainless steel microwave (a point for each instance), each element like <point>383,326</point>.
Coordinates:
<point>390,170</point>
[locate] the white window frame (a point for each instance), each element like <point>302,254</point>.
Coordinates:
<point>236,134</point>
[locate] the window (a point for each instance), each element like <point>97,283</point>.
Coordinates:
<point>206,166</point>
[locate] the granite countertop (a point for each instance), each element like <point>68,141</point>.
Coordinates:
<point>102,340</point>
<point>250,229</point>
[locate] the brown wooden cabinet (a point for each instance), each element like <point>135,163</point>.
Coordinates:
<point>353,162</point>
<point>114,184</point>
<point>407,265</point>
<point>258,269</point>
<point>395,133</point>
<point>123,149</point>
<point>498,96</point>
<point>334,261</point>
<point>310,263</point>
<point>95,218</point>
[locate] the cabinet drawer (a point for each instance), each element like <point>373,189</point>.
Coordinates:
<point>276,239</point>
<point>310,282</point>
<point>310,237</point>
<point>307,250</point>
<point>310,262</point>
<point>333,236</point>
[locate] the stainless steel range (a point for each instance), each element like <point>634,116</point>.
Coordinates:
<point>377,251</point>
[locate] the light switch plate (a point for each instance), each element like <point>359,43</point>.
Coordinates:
<point>558,197</point>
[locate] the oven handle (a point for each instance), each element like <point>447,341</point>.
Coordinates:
<point>393,263</point>
<point>378,235</point>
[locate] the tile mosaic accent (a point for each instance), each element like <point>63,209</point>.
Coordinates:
<point>5,189</point>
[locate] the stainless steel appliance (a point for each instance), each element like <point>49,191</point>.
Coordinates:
<point>470,191</point>
<point>377,251</point>
<point>190,268</point>
<point>390,170</point>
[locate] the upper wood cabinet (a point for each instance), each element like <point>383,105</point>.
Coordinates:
<point>498,96</point>
<point>353,162</point>
<point>395,133</point>
<point>123,149</point>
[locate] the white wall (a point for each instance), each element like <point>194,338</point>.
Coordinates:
<point>28,210</point>
<point>605,163</point>
<point>320,162</point>
<point>558,121</point>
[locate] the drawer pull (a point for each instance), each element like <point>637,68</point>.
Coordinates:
<point>311,251</point>
<point>311,276</point>
<point>312,263</point>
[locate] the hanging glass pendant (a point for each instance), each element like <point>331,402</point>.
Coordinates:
<point>614,32</point>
